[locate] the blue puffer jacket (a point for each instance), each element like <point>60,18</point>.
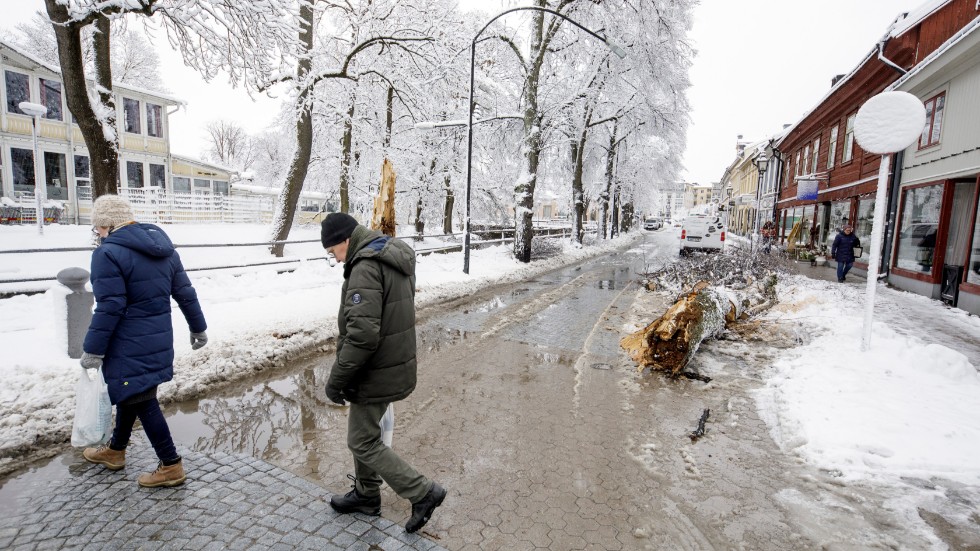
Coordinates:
<point>843,248</point>
<point>134,273</point>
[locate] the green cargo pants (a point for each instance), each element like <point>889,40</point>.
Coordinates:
<point>374,462</point>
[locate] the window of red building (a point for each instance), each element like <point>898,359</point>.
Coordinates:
<point>934,121</point>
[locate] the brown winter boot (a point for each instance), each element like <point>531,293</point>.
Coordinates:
<point>104,455</point>
<point>165,475</point>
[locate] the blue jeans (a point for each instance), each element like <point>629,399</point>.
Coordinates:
<point>842,269</point>
<point>154,425</point>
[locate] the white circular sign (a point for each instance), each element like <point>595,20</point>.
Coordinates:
<point>889,122</point>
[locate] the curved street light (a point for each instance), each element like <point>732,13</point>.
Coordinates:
<point>469,125</point>
<point>35,110</point>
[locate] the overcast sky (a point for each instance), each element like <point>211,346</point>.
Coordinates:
<point>760,64</point>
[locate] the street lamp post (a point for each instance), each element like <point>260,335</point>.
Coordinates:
<point>36,110</point>
<point>469,125</point>
<point>761,163</point>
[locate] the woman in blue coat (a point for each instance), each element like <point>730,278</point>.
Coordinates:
<point>135,272</point>
<point>843,251</point>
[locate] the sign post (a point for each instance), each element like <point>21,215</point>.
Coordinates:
<point>886,124</point>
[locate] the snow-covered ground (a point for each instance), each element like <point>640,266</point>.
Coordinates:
<point>905,408</point>
<point>257,318</point>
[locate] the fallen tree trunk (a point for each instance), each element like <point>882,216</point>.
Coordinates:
<point>669,343</point>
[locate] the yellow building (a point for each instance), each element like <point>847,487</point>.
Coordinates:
<point>145,157</point>
<point>740,185</point>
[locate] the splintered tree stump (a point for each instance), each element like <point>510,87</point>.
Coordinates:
<point>669,343</point>
<point>383,216</point>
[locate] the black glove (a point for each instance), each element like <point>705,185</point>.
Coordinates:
<point>198,340</point>
<point>91,361</point>
<point>336,395</point>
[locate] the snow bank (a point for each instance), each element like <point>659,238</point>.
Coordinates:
<point>903,408</point>
<point>257,319</point>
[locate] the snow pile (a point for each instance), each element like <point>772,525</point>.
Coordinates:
<point>257,319</point>
<point>904,408</point>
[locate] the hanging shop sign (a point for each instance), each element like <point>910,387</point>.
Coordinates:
<point>806,190</point>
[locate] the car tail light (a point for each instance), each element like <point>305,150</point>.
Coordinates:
<point>683,234</point>
<point>722,235</point>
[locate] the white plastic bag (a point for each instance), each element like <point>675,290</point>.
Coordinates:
<point>388,425</point>
<point>93,411</point>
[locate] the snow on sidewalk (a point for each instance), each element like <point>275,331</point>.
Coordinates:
<point>905,408</point>
<point>257,319</point>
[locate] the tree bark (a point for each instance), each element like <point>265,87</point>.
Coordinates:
<point>300,165</point>
<point>524,190</point>
<point>578,194</point>
<point>447,217</point>
<point>345,155</point>
<point>102,150</point>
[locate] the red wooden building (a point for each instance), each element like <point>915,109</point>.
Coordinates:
<point>819,152</point>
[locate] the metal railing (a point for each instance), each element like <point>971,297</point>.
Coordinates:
<point>506,236</point>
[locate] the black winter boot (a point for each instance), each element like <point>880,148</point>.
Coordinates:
<point>422,510</point>
<point>354,502</point>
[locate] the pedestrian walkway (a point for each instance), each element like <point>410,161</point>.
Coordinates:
<point>228,502</point>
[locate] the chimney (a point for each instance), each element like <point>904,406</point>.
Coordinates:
<point>786,125</point>
<point>740,145</point>
<point>835,80</point>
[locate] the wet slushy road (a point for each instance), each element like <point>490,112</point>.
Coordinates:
<point>546,436</point>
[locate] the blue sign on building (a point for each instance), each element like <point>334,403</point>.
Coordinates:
<point>806,190</point>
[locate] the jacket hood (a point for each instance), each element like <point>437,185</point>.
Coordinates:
<point>365,243</point>
<point>145,238</point>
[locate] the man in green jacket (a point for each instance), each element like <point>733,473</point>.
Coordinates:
<point>375,363</point>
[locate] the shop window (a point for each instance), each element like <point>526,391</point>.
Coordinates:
<point>848,152</point>
<point>22,165</point>
<point>182,184</point>
<point>921,208</point>
<point>154,120</point>
<point>864,221</point>
<point>973,272</point>
<point>202,186</point>
<point>83,173</point>
<point>934,121</point>
<point>832,147</point>
<point>18,90</point>
<point>134,174</point>
<point>131,113</point>
<point>840,212</point>
<point>51,98</point>
<point>158,175</point>
<point>55,176</point>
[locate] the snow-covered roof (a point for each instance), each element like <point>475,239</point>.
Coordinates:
<point>117,86</point>
<point>270,190</point>
<point>192,160</point>
<point>910,19</point>
<point>957,38</point>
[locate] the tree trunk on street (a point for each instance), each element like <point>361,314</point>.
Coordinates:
<point>100,134</point>
<point>669,343</point>
<point>531,148</point>
<point>296,177</point>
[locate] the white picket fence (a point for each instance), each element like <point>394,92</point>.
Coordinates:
<point>160,206</point>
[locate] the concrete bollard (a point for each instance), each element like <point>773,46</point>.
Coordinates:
<point>80,304</point>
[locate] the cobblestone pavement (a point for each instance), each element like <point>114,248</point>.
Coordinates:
<point>229,501</point>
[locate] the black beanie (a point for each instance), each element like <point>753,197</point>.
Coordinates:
<point>336,227</point>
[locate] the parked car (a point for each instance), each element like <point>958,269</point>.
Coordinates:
<point>702,232</point>
<point>652,224</point>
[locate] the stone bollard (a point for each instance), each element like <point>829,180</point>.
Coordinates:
<point>79,305</point>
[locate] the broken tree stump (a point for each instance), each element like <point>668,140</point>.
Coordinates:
<point>669,343</point>
<point>383,215</point>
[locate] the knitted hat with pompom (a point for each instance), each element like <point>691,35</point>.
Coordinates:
<point>110,211</point>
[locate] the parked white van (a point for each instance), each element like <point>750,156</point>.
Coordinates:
<point>702,232</point>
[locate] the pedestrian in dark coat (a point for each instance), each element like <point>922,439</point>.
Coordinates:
<point>135,272</point>
<point>843,250</point>
<point>375,363</point>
